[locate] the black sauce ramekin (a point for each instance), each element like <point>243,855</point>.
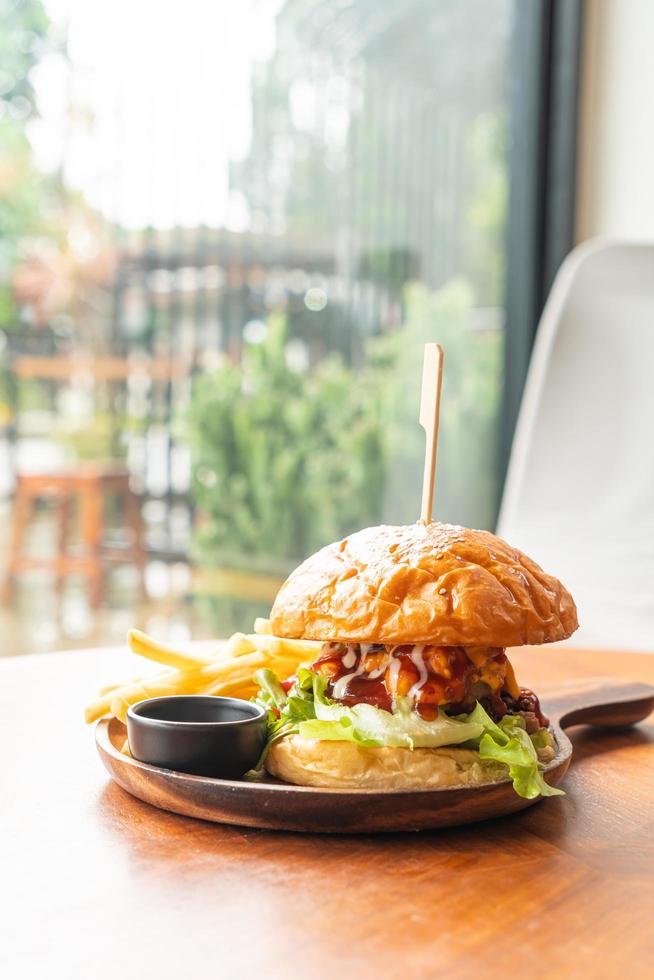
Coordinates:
<point>198,734</point>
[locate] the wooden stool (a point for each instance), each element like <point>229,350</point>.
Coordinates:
<point>88,484</point>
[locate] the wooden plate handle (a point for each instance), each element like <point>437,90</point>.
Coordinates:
<point>606,703</point>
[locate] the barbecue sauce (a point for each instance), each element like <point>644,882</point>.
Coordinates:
<point>373,674</point>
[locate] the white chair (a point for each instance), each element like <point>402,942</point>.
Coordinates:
<point>579,494</point>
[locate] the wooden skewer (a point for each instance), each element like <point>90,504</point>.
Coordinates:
<point>430,407</point>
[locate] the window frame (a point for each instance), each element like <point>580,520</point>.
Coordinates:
<point>543,101</point>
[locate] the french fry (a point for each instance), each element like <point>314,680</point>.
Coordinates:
<point>198,681</point>
<point>143,645</point>
<point>284,646</point>
<point>169,682</point>
<point>156,688</point>
<point>97,709</point>
<point>262,626</point>
<point>107,688</point>
<point>238,645</point>
<point>228,673</point>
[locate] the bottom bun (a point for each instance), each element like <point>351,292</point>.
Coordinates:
<point>346,765</point>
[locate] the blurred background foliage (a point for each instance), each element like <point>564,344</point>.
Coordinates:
<point>240,258</point>
<point>23,40</point>
<point>467,449</point>
<point>286,460</point>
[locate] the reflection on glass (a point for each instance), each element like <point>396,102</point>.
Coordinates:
<point>238,243</point>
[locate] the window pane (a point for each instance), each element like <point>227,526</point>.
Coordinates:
<point>255,215</point>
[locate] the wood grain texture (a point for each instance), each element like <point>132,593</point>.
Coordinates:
<point>274,805</point>
<point>97,884</point>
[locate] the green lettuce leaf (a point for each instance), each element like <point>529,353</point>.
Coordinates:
<point>542,739</point>
<point>509,743</point>
<point>307,711</point>
<point>404,727</point>
<point>342,730</point>
<point>270,688</point>
<point>516,750</point>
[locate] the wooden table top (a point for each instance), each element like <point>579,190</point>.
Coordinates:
<point>97,884</point>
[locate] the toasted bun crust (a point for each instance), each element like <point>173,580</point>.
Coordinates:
<point>437,583</point>
<point>345,765</point>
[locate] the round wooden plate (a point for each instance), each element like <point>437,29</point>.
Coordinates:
<point>274,805</point>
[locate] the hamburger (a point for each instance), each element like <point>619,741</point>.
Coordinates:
<point>412,687</point>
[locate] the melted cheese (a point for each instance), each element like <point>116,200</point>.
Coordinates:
<point>478,655</point>
<point>488,672</point>
<point>510,683</point>
<point>497,675</point>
